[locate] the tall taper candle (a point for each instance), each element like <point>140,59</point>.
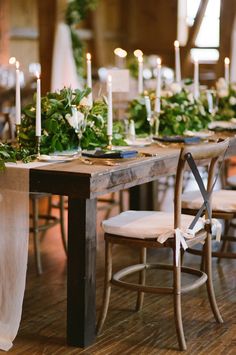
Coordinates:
<point>18,102</point>
<point>158,87</point>
<point>177,63</point>
<point>227,62</point>
<point>89,78</point>
<point>38,108</point>
<point>109,98</point>
<point>140,74</point>
<point>196,79</point>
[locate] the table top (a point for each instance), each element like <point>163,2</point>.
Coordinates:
<point>75,178</point>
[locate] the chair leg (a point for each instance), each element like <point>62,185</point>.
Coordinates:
<point>107,286</point>
<point>177,304</point>
<point>62,223</point>
<point>142,279</point>
<point>208,269</point>
<point>35,211</point>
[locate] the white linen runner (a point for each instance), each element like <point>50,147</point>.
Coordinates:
<point>14,231</point>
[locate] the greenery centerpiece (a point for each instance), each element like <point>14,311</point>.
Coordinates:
<point>225,100</point>
<point>58,133</point>
<point>179,112</point>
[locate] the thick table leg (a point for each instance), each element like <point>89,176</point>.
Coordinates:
<point>81,279</point>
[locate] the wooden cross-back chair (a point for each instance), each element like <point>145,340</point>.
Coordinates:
<point>223,208</point>
<point>153,229</point>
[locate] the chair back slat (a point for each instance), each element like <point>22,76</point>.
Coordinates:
<point>211,153</point>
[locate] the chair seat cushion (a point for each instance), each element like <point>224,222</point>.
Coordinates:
<point>147,224</point>
<point>222,200</point>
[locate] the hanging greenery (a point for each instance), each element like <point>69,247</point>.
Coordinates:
<point>76,12</point>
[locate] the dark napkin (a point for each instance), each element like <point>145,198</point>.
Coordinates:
<point>112,154</point>
<point>178,139</point>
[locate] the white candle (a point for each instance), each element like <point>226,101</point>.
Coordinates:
<point>177,63</point>
<point>158,87</point>
<point>140,74</point>
<point>38,107</point>
<point>18,102</point>
<point>227,62</point>
<point>109,113</point>
<point>89,78</point>
<point>148,106</point>
<point>196,79</point>
<point>209,101</point>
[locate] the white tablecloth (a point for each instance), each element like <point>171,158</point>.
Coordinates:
<point>14,231</point>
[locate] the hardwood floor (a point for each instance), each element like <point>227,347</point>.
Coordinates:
<point>150,332</point>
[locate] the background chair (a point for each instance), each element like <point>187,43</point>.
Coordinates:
<point>223,207</point>
<point>149,229</point>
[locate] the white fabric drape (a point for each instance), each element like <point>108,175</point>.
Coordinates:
<point>14,227</point>
<point>63,65</point>
<point>14,231</point>
<point>233,54</point>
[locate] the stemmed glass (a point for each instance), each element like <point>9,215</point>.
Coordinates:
<point>79,124</point>
<point>153,120</point>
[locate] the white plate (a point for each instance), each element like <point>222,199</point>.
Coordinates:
<point>54,158</point>
<point>222,125</point>
<point>200,134</point>
<point>139,142</point>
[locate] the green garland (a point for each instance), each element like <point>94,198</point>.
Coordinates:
<point>76,12</point>
<point>180,112</point>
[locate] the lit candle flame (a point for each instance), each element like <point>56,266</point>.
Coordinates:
<point>120,52</point>
<point>138,53</point>
<point>176,44</point>
<point>12,60</point>
<point>37,75</point>
<point>17,65</point>
<point>88,56</point>
<point>227,61</point>
<point>158,61</point>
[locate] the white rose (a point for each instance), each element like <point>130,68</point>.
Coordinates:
<point>232,100</point>
<point>190,97</point>
<point>166,93</point>
<point>175,88</point>
<point>223,92</point>
<point>221,84</point>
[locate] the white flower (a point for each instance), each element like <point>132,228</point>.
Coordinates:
<point>221,84</point>
<point>84,101</point>
<point>80,116</point>
<point>223,92</point>
<point>232,100</point>
<point>166,93</point>
<point>175,88</point>
<point>202,110</point>
<point>190,97</point>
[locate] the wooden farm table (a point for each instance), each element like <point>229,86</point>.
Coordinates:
<point>83,184</point>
